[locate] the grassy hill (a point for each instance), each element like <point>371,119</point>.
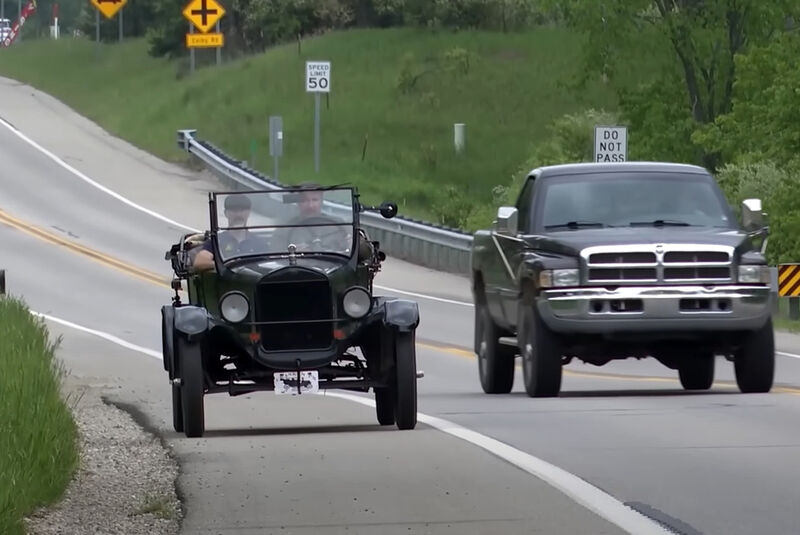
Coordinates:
<point>400,89</point>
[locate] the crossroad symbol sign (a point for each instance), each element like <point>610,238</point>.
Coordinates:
<point>204,14</point>
<point>109,8</point>
<point>789,280</point>
<point>318,76</point>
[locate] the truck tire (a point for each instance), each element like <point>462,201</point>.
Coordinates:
<point>495,360</point>
<point>697,372</point>
<point>541,352</point>
<point>754,362</point>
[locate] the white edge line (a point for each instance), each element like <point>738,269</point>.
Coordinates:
<point>785,354</point>
<point>152,213</point>
<point>88,180</point>
<point>105,336</point>
<point>579,490</point>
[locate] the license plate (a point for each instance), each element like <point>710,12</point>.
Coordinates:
<point>287,384</point>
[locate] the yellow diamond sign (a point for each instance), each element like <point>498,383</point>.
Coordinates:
<point>204,14</point>
<point>109,8</point>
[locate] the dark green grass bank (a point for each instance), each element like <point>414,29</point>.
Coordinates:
<point>38,437</point>
<point>399,91</point>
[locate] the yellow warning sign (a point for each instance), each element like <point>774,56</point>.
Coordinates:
<point>109,8</point>
<point>204,40</point>
<point>789,280</point>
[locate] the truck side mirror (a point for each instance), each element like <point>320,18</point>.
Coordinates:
<point>752,215</point>
<point>507,222</point>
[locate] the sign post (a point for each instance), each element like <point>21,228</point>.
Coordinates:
<point>276,141</point>
<point>203,15</point>
<point>610,144</point>
<point>318,81</point>
<point>109,8</point>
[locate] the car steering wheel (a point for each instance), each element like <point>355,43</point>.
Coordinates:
<point>317,235</point>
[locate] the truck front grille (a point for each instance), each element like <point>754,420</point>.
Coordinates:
<point>669,264</point>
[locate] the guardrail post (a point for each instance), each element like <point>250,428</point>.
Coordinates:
<point>794,308</point>
<point>184,137</point>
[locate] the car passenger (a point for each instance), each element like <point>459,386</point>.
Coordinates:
<point>237,212</point>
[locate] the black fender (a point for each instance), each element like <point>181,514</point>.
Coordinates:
<point>168,338</point>
<point>400,314</point>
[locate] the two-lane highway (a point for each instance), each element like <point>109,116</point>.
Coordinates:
<point>716,462</point>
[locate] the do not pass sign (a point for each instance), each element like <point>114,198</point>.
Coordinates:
<point>610,144</point>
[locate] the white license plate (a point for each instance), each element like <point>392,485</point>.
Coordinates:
<point>286,383</point>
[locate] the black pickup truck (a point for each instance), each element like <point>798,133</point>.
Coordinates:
<point>605,261</point>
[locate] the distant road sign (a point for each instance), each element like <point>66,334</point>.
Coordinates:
<point>610,144</point>
<point>109,8</point>
<point>205,40</point>
<point>318,76</point>
<point>789,280</point>
<point>204,14</point>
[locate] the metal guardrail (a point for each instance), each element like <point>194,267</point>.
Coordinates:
<point>418,242</point>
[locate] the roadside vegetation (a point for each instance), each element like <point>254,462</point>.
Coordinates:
<point>38,437</point>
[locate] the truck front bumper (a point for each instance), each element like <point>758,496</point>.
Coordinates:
<point>656,308</point>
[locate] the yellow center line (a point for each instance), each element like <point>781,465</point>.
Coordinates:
<point>155,278</point>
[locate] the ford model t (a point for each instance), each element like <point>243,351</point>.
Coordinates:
<point>280,298</point>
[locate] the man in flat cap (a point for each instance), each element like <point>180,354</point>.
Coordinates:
<point>237,211</point>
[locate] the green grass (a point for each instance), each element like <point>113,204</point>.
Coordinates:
<point>38,437</point>
<point>508,88</point>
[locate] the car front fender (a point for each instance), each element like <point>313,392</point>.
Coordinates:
<point>400,314</point>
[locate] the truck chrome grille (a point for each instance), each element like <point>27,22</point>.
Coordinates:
<point>669,264</point>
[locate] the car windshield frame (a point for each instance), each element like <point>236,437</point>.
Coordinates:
<point>721,209</point>
<point>339,202</point>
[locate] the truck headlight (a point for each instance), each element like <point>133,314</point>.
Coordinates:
<point>356,302</point>
<point>234,307</point>
<point>553,278</point>
<point>754,275</point>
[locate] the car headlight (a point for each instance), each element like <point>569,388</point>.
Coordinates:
<point>356,302</point>
<point>754,275</point>
<point>234,307</point>
<point>552,278</point>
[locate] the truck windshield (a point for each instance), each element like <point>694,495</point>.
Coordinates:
<point>630,199</point>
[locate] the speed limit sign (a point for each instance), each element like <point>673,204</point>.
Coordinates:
<point>318,76</point>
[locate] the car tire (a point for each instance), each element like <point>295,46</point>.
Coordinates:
<point>697,373</point>
<point>405,410</point>
<point>177,409</point>
<point>495,361</point>
<point>541,352</point>
<point>384,405</point>
<point>192,388</point>
<point>754,362</point>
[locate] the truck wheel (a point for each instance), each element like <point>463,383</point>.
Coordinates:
<point>495,361</point>
<point>697,373</point>
<point>192,389</point>
<point>754,362</point>
<point>541,354</point>
<point>405,412</point>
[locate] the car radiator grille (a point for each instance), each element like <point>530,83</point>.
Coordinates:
<point>302,309</point>
<point>662,264</point>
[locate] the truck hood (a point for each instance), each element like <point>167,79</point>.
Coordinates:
<point>572,242</point>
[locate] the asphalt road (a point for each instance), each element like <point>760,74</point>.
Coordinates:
<point>716,462</point>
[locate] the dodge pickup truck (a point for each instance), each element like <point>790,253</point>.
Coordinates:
<point>605,261</point>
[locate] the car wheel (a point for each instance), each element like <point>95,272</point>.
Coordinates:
<point>384,405</point>
<point>495,361</point>
<point>697,373</point>
<point>754,362</point>
<point>405,380</point>
<point>177,409</point>
<point>541,355</point>
<point>192,387</point>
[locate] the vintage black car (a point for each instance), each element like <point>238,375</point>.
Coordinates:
<point>280,298</point>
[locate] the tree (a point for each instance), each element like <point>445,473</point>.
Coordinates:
<point>702,36</point>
